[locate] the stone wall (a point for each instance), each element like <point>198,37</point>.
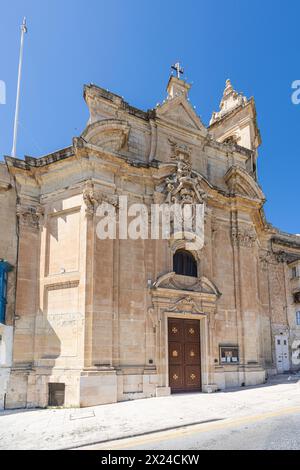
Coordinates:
<point>8,252</point>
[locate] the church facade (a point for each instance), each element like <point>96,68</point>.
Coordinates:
<point>89,320</point>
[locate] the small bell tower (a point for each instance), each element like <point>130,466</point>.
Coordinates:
<point>235,122</point>
<point>177,86</point>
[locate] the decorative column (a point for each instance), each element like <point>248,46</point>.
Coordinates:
<point>30,216</point>
<point>243,240</point>
<point>97,291</point>
<point>98,380</point>
<point>90,199</point>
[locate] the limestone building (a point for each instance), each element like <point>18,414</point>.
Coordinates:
<point>8,261</point>
<point>103,320</point>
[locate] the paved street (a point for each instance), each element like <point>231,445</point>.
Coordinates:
<point>273,431</point>
<point>193,419</point>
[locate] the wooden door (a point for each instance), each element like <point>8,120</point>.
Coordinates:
<point>184,355</point>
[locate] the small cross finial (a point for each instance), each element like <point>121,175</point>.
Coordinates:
<point>179,70</point>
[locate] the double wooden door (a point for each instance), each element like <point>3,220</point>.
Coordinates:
<point>184,355</point>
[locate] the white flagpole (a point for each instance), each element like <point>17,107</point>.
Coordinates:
<point>23,31</point>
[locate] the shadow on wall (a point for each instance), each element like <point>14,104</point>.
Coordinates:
<point>26,388</point>
<point>37,343</point>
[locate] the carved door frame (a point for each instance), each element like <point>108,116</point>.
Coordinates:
<point>170,303</point>
<point>175,296</point>
<point>202,345</point>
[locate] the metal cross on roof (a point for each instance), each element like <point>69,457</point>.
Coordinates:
<point>179,70</point>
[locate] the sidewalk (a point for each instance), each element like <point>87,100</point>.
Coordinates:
<point>67,428</point>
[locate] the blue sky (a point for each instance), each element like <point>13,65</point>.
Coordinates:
<point>128,46</point>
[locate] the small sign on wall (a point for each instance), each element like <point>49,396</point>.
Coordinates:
<point>229,355</point>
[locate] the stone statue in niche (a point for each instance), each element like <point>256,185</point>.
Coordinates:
<point>182,187</point>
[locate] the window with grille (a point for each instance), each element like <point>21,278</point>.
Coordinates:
<point>184,263</point>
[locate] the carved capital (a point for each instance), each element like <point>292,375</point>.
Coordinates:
<point>285,257</point>
<point>91,200</point>
<point>244,237</point>
<point>270,257</point>
<point>30,216</point>
<point>94,197</point>
<point>266,257</point>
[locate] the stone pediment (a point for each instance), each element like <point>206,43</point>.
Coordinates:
<point>179,112</point>
<point>109,134</point>
<point>241,183</point>
<point>186,283</point>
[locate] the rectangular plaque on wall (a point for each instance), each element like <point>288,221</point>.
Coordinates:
<point>229,355</point>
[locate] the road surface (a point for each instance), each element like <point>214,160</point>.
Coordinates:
<point>267,431</point>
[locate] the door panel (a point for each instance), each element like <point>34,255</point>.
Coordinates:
<point>176,377</point>
<point>184,354</point>
<point>285,354</point>
<point>192,353</point>
<point>192,377</point>
<point>176,353</point>
<point>282,353</point>
<point>191,330</point>
<point>278,350</point>
<point>175,329</point>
